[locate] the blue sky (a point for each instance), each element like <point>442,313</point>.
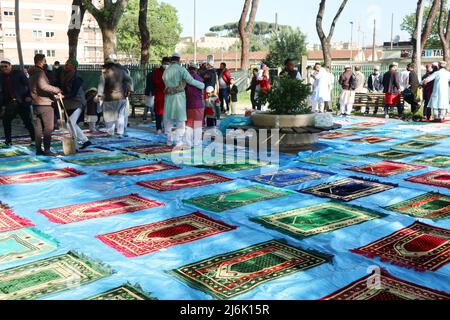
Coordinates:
<point>302,14</point>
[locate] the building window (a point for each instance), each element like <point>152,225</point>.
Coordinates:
<point>38,51</point>
<point>10,33</point>
<point>8,12</point>
<point>36,14</point>
<point>37,33</point>
<point>49,14</point>
<point>51,53</point>
<point>49,34</point>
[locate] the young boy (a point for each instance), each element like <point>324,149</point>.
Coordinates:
<point>234,96</point>
<point>91,109</point>
<point>212,108</point>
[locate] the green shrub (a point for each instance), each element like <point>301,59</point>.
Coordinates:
<point>287,97</point>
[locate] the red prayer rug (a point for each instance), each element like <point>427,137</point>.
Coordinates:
<point>100,209</point>
<point>191,181</point>
<point>30,177</point>
<point>372,139</point>
<point>141,170</point>
<point>142,240</point>
<point>9,221</point>
<point>386,168</point>
<point>384,286</point>
<point>440,178</point>
<point>419,246</point>
<point>335,135</point>
<point>368,124</point>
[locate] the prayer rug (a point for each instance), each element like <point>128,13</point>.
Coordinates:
<point>149,149</point>
<point>232,274</point>
<point>178,183</point>
<point>142,240</point>
<point>335,135</point>
<point>392,154</point>
<point>49,276</point>
<point>9,221</point>
<point>310,221</point>
<point>232,166</point>
<point>94,150</point>
<point>433,206</point>
<point>372,139</point>
<point>289,177</point>
<point>419,246</point>
<point>100,209</point>
<point>103,159</point>
<point>20,164</point>
<point>385,287</point>
<point>141,170</point>
<point>39,176</point>
<point>368,124</point>
<point>103,141</point>
<point>125,292</point>
<point>354,130</point>
<point>431,137</point>
<point>330,159</point>
<point>386,168</point>
<point>23,244</point>
<point>440,178</point>
<point>348,189</point>
<point>436,161</point>
<point>224,201</point>
<point>416,145</point>
<point>12,153</point>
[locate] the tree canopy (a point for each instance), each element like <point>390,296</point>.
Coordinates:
<point>409,25</point>
<point>261,28</point>
<point>163,24</point>
<point>286,44</point>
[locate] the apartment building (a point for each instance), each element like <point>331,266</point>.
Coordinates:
<point>43,29</point>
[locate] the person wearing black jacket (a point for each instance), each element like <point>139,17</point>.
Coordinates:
<point>391,89</point>
<point>252,88</point>
<point>15,97</point>
<point>410,93</point>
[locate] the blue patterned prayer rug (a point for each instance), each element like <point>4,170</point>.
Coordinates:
<point>289,177</point>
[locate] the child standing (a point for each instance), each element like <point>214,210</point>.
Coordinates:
<point>91,109</point>
<point>212,108</point>
<point>234,96</point>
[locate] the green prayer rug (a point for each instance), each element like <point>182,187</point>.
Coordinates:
<point>49,276</point>
<point>23,244</point>
<point>318,219</point>
<point>232,274</point>
<point>330,159</point>
<point>436,161</point>
<point>354,130</point>
<point>416,145</point>
<point>12,153</point>
<point>432,206</point>
<point>220,202</point>
<point>232,166</point>
<point>431,137</point>
<point>125,292</point>
<point>102,159</point>
<point>392,154</point>
<point>20,164</point>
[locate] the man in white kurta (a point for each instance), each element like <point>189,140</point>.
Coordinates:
<point>439,101</point>
<point>321,89</point>
<point>175,79</point>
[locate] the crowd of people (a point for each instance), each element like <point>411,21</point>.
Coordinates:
<point>183,101</point>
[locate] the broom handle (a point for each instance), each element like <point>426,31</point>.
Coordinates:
<point>70,127</point>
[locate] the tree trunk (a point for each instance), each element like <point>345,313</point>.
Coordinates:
<point>246,30</point>
<point>75,27</point>
<point>109,40</point>
<point>424,32</point>
<point>145,34</point>
<point>444,31</point>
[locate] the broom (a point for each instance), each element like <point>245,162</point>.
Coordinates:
<point>69,143</point>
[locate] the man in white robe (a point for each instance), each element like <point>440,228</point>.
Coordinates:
<point>439,101</point>
<point>321,89</point>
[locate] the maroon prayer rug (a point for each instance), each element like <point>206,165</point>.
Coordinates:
<point>384,286</point>
<point>419,246</point>
<point>100,209</point>
<point>191,181</point>
<point>149,149</point>
<point>440,178</point>
<point>9,221</point>
<point>386,168</point>
<point>335,135</point>
<point>372,139</point>
<point>142,240</point>
<point>141,170</point>
<point>30,177</point>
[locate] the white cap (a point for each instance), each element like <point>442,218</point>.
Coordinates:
<point>109,60</point>
<point>112,57</point>
<point>347,66</point>
<point>395,64</point>
<point>7,60</point>
<point>176,55</point>
<point>376,68</point>
<point>443,64</point>
<point>209,89</point>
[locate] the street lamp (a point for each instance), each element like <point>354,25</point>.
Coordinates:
<point>351,42</point>
<point>195,31</point>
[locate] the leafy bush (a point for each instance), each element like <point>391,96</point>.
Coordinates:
<point>287,97</point>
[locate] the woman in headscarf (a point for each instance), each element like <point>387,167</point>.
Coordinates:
<point>195,109</point>
<point>74,98</point>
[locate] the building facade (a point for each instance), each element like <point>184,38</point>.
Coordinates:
<point>43,29</point>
